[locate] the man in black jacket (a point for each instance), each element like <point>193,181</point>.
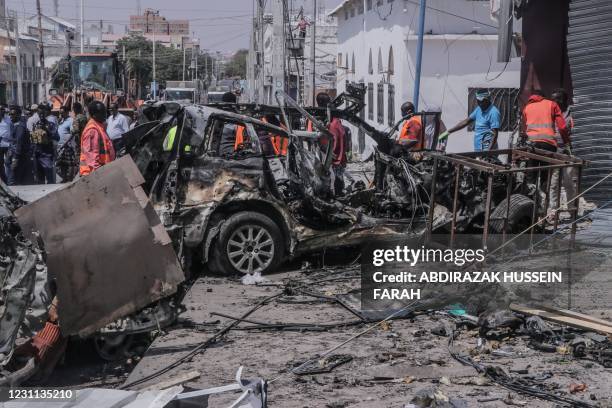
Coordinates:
<point>20,150</point>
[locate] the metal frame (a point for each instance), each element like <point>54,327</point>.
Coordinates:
<point>555,161</point>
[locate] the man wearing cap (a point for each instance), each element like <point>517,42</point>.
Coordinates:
<point>487,121</point>
<point>33,118</point>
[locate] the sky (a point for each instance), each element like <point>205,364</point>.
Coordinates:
<point>221,25</point>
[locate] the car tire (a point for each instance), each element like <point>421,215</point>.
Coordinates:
<point>519,216</point>
<point>249,242</point>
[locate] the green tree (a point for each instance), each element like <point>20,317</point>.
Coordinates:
<point>138,61</point>
<point>236,66</point>
<point>168,62</point>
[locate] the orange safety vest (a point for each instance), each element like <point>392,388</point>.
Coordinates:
<point>106,150</point>
<point>539,122</point>
<point>279,143</point>
<point>411,132</point>
<point>239,136</point>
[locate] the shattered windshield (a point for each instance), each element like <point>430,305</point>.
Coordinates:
<point>94,72</point>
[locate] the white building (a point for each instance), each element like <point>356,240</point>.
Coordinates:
<point>377,42</point>
<point>326,48</point>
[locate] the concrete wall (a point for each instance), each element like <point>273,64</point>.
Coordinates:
<point>459,53</point>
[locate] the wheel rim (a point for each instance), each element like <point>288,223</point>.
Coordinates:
<point>113,347</point>
<point>250,249</point>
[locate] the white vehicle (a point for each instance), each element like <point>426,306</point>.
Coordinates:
<point>183,91</point>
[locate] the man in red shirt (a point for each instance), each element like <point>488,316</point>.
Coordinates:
<point>338,148</point>
<point>96,147</point>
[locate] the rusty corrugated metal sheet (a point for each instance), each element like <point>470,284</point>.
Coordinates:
<point>589,43</point>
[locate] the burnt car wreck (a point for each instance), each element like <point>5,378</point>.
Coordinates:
<point>230,201</point>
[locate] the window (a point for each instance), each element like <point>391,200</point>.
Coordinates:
<point>340,59</point>
<point>352,12</point>
<point>505,99</point>
<point>360,7</point>
<point>346,63</point>
<point>370,65</point>
<point>391,104</point>
<point>380,101</point>
<point>371,101</point>
<point>379,2</point>
<point>369,4</point>
<point>346,14</point>
<point>353,64</point>
<point>223,140</point>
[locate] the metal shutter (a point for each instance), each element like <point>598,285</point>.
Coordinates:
<point>589,43</point>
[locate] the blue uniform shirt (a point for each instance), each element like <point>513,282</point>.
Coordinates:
<point>6,128</point>
<point>484,123</point>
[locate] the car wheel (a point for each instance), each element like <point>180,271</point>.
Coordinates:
<point>113,347</point>
<point>249,242</point>
<point>519,216</point>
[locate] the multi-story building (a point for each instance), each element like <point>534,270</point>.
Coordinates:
<point>298,55</point>
<point>377,45</point>
<point>28,55</point>
<point>151,22</point>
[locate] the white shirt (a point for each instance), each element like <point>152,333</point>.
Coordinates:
<point>116,126</point>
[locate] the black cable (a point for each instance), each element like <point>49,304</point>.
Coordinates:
<point>454,15</point>
<point>514,384</point>
<point>202,346</point>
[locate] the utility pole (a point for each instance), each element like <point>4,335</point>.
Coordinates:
<point>419,56</point>
<point>259,53</point>
<point>20,101</point>
<point>197,51</point>
<point>313,51</point>
<point>278,48</point>
<point>206,76</point>
<point>184,55</point>
<point>154,72</point>
<point>41,49</point>
<point>82,26</point>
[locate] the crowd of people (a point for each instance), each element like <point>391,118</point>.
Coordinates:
<point>38,145</point>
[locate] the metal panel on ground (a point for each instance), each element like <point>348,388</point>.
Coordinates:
<point>105,247</point>
<point>589,43</point>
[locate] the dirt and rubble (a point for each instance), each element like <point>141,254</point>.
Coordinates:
<point>387,367</point>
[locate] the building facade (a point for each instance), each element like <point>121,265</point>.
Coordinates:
<point>377,43</point>
<point>152,22</point>
<point>29,76</point>
<point>298,59</point>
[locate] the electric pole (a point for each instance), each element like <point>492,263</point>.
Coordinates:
<point>41,49</point>
<point>258,53</point>
<point>313,52</point>
<point>82,26</point>
<point>20,100</point>
<point>278,48</point>
<point>419,55</point>
<point>154,73</point>
<point>184,52</point>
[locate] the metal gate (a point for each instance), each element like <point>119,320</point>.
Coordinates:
<point>589,44</point>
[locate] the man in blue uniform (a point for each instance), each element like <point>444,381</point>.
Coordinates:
<point>487,121</point>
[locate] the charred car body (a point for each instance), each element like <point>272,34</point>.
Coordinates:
<point>241,208</point>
